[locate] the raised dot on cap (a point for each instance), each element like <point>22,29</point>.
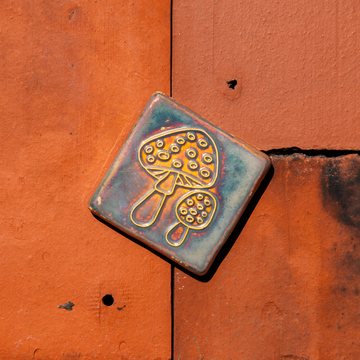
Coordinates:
<point>199,220</point>
<point>191,153</point>
<point>163,155</point>
<point>174,148</point>
<point>205,172</point>
<point>180,140</point>
<point>207,202</point>
<point>193,165</point>
<point>192,211</point>
<point>203,143</point>
<point>191,136</point>
<point>150,159</point>
<point>149,149</point>
<point>207,158</point>
<point>190,202</point>
<point>190,219</point>
<point>159,144</point>
<point>200,207</point>
<point>183,211</point>
<point>177,164</point>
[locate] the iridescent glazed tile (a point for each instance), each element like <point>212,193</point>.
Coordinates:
<point>179,184</point>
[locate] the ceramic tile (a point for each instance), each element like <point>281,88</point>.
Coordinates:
<point>179,184</point>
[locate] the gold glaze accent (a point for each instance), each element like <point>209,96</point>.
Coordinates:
<point>180,140</point>
<point>150,159</point>
<point>159,144</point>
<point>177,164</point>
<point>174,174</point>
<point>205,173</point>
<point>200,207</point>
<point>190,202</point>
<point>163,155</point>
<point>189,222</point>
<point>189,219</point>
<point>174,148</point>
<point>190,181</point>
<point>191,153</point>
<point>193,165</point>
<point>203,143</point>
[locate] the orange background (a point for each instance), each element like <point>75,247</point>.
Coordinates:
<point>75,76</point>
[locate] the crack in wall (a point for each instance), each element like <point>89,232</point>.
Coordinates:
<point>310,152</point>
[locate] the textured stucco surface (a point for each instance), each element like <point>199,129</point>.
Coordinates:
<point>75,76</point>
<point>295,62</point>
<point>289,287</point>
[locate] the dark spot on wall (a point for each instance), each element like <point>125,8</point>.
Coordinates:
<point>351,261</point>
<point>74,15</point>
<point>71,14</point>
<point>67,306</point>
<point>341,189</point>
<point>108,300</point>
<point>232,84</point>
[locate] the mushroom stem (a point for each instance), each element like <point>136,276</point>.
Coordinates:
<point>182,238</point>
<point>167,183</point>
<point>145,204</point>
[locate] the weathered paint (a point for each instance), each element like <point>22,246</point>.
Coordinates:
<point>143,188</point>
<point>295,63</point>
<point>74,79</point>
<point>289,286</point>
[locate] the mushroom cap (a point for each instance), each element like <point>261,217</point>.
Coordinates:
<point>189,152</point>
<point>196,209</point>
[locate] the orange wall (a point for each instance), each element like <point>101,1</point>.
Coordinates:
<point>288,288</point>
<point>295,63</point>
<point>75,76</point>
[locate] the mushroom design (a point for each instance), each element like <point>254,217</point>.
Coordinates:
<point>195,211</point>
<point>186,157</point>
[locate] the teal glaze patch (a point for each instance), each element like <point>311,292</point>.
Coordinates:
<point>179,184</point>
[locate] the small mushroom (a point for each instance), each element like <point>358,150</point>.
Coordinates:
<point>180,157</point>
<point>195,210</point>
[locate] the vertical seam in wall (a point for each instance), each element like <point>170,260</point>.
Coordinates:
<point>172,311</point>
<point>171,45</point>
<point>172,266</point>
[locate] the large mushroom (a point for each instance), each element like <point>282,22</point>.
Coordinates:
<point>195,211</point>
<point>186,157</point>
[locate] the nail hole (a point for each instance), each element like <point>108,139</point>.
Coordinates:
<point>232,84</point>
<point>108,300</point>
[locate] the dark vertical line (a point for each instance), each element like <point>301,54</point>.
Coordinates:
<point>172,311</point>
<point>172,266</point>
<point>171,46</point>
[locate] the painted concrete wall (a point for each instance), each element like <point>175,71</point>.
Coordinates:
<point>75,76</point>
<point>288,287</point>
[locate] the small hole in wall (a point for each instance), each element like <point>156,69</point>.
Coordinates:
<point>108,300</point>
<point>232,84</point>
